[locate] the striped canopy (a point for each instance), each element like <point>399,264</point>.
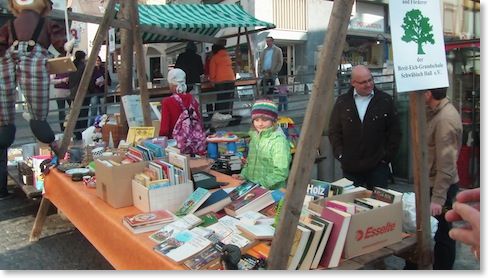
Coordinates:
<point>200,19</point>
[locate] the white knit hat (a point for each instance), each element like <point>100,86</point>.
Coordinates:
<point>177,77</point>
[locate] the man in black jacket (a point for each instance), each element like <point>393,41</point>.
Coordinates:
<point>191,63</point>
<point>364,131</point>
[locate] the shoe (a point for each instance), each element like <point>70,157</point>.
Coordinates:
<point>6,196</point>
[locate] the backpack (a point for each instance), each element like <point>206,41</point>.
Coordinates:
<point>188,131</point>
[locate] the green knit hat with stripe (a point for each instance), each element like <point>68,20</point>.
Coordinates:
<point>264,108</point>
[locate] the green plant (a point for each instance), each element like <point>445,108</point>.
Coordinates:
<point>418,29</point>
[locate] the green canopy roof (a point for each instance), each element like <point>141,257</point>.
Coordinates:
<point>199,19</point>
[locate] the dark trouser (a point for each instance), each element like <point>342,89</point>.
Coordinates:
<point>444,246</point>
<point>3,171</point>
<point>268,86</point>
<point>376,177</point>
<point>81,125</point>
<point>225,107</point>
<point>62,111</point>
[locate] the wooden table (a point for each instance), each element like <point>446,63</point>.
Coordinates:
<point>102,225</point>
<point>29,190</point>
<point>404,249</point>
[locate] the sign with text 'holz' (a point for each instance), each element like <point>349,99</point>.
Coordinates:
<point>418,45</point>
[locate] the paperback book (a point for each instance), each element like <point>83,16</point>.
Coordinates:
<point>193,202</point>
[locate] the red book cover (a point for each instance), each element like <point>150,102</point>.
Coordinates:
<point>249,197</point>
<point>337,238</point>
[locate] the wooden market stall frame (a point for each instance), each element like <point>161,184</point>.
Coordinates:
<point>316,115</point>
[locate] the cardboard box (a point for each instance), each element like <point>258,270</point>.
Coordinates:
<point>114,184</point>
<point>170,198</point>
<point>370,230</point>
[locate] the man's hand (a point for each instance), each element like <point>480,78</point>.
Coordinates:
<point>435,209</point>
<point>466,196</point>
<point>237,176</point>
<point>469,233</point>
<point>462,211</point>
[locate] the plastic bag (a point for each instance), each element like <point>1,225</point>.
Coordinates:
<point>409,215</point>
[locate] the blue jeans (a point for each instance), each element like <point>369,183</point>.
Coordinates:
<point>95,108</point>
<point>283,103</point>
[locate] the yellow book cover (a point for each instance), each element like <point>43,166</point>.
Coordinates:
<point>137,133</point>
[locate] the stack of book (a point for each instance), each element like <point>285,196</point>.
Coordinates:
<point>148,221</point>
<point>256,199</point>
<point>386,195</point>
<point>341,186</point>
<point>214,203</point>
<point>230,162</point>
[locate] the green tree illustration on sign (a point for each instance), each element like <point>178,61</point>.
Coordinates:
<point>418,29</point>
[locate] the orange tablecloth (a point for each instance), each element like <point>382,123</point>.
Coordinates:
<point>102,225</point>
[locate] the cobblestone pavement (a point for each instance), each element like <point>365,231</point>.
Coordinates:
<point>63,247</point>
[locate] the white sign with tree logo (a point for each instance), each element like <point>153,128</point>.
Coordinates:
<point>418,45</point>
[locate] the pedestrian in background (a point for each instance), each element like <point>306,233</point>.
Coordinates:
<point>62,95</point>
<point>269,156</point>
<point>191,63</point>
<point>444,138</point>
<point>74,82</point>
<point>96,90</point>
<point>270,63</point>
<point>223,78</point>
<point>4,194</point>
<point>365,131</point>
<point>170,109</point>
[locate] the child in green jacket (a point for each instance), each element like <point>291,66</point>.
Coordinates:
<point>269,154</point>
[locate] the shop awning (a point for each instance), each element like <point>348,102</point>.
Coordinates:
<point>198,19</point>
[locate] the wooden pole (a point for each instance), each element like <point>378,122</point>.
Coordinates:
<point>124,72</point>
<point>86,77</point>
<point>141,65</point>
<point>316,116</point>
<point>238,51</point>
<point>421,180</point>
<point>252,63</point>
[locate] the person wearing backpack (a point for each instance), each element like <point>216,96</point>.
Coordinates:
<point>180,116</point>
<point>269,156</point>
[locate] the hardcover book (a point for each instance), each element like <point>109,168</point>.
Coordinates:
<point>323,241</point>
<point>256,199</point>
<point>216,202</point>
<point>193,202</point>
<point>241,190</point>
<point>343,206</point>
<point>337,238</point>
